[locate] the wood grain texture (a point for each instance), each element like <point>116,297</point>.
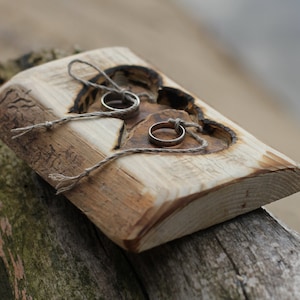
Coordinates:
<point>50,250</point>
<point>140,201</point>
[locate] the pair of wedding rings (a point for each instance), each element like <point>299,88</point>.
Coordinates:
<point>127,105</point>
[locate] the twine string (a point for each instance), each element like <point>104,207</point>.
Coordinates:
<point>97,114</point>
<point>66,183</point>
<point>116,87</point>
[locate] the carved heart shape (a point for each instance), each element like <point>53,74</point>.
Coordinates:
<point>158,103</point>
<point>139,201</point>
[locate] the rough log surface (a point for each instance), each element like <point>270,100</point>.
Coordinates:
<point>49,250</point>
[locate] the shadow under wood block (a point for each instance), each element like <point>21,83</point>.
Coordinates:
<point>170,164</point>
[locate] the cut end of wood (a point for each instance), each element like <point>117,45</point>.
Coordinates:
<point>187,215</point>
<point>142,198</point>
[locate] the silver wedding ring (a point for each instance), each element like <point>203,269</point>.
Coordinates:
<point>180,131</point>
<point>121,102</point>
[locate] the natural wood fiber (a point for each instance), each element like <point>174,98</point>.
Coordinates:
<point>140,201</point>
<point>50,250</point>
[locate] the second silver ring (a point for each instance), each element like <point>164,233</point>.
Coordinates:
<point>180,131</point>
<point>115,101</point>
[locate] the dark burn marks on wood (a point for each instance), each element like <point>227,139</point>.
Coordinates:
<point>130,76</point>
<point>137,136</point>
<point>219,131</point>
<point>273,162</point>
<point>156,98</point>
<point>41,151</point>
<point>18,108</point>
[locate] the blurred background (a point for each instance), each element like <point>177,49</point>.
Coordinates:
<point>240,56</point>
<point>263,36</point>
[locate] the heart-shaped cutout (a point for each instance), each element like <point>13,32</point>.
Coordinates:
<point>157,103</point>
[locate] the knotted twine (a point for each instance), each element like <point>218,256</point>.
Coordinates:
<point>98,114</point>
<point>66,183</point>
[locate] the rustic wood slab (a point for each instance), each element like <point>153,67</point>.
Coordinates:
<point>50,250</point>
<point>143,200</point>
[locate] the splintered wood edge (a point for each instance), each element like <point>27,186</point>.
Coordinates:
<point>152,217</point>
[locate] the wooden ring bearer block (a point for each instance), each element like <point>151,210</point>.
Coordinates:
<point>140,200</point>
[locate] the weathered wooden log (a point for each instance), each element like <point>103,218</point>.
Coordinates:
<point>50,250</point>
<point>160,194</point>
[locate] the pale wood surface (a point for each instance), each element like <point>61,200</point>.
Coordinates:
<point>140,201</point>
<point>152,28</point>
